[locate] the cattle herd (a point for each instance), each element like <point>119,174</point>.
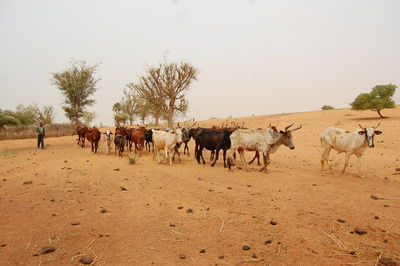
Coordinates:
<point>230,138</point>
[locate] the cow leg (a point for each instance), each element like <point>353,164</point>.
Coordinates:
<point>255,156</point>
<point>346,162</point>
<point>212,155</point>
<point>166,154</point>
<point>201,155</point>
<point>241,153</point>
<point>266,162</point>
<point>216,157</point>
<point>325,156</point>
<point>224,157</point>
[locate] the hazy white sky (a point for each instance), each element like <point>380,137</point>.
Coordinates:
<point>255,57</point>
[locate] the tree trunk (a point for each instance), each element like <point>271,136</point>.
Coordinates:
<point>379,113</point>
<point>171,116</point>
<point>156,118</point>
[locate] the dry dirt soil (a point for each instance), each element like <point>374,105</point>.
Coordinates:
<point>86,204</point>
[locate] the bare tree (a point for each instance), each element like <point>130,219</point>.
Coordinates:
<point>164,87</point>
<point>45,115</point>
<point>130,103</point>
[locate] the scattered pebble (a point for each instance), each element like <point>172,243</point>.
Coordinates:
<point>65,161</point>
<point>3,245</point>
<point>86,260</point>
<point>221,257</point>
<point>376,217</point>
<point>116,169</point>
<point>385,205</point>
<point>359,231</point>
<point>341,221</point>
<point>75,223</point>
<point>47,249</point>
<point>229,188</point>
<point>269,241</point>
<point>103,211</point>
<point>273,222</point>
<point>189,210</point>
<point>123,189</point>
<point>388,262</point>
<point>314,185</point>
<point>28,182</point>
<point>202,250</point>
<point>180,207</point>
<point>246,247</point>
<point>254,256</point>
<point>398,169</point>
<point>182,256</point>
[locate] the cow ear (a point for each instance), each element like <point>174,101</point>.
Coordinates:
<point>281,132</point>
<point>361,132</point>
<point>377,132</point>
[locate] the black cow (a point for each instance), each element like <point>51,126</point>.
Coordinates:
<point>119,142</point>
<point>148,138</point>
<point>211,140</point>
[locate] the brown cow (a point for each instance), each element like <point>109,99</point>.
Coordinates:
<point>81,130</point>
<point>93,135</point>
<point>138,137</point>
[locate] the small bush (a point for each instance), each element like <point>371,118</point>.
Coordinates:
<point>349,115</point>
<point>327,107</point>
<point>132,160</point>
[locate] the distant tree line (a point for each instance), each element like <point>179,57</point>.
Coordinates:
<point>26,116</point>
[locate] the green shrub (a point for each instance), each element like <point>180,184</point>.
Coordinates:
<point>132,160</point>
<point>327,107</point>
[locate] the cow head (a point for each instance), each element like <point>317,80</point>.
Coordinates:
<point>108,135</point>
<point>287,138</point>
<point>369,133</point>
<point>178,131</point>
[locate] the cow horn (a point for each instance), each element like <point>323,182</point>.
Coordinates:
<point>361,126</point>
<point>377,125</point>
<point>286,128</point>
<point>297,128</point>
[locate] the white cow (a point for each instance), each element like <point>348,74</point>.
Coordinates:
<point>351,142</point>
<point>108,136</point>
<point>166,140</point>
<point>262,140</point>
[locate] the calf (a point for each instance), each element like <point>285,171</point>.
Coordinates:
<point>108,136</point>
<point>350,142</point>
<point>119,143</point>
<point>166,140</point>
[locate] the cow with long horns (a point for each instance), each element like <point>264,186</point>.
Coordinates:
<point>351,142</point>
<point>266,141</point>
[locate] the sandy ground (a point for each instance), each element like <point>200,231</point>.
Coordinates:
<point>75,201</point>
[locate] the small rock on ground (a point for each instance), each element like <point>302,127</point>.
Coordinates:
<point>86,260</point>
<point>246,247</point>
<point>47,249</point>
<point>388,262</point>
<point>359,231</point>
